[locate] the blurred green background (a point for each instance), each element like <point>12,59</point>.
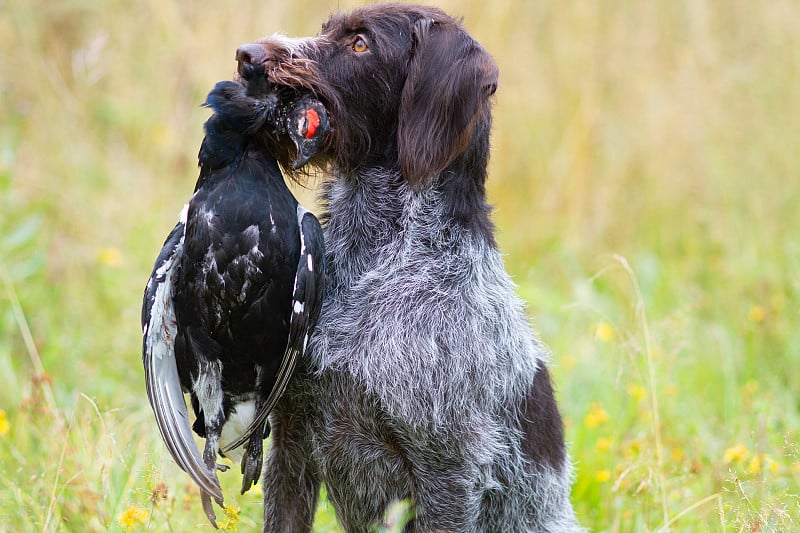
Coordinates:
<point>645,177</point>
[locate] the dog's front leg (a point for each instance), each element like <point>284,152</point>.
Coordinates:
<point>291,481</point>
<point>445,499</point>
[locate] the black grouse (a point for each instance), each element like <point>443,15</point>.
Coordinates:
<point>236,289</point>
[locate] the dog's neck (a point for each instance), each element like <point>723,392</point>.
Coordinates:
<point>374,213</point>
<point>362,215</point>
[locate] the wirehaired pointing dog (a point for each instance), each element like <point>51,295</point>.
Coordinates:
<point>423,379</point>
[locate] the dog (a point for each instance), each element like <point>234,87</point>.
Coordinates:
<point>423,380</point>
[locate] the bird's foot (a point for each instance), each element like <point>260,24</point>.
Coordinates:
<point>251,462</point>
<point>251,471</point>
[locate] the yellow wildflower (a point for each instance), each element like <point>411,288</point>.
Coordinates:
<point>771,465</point>
<point>604,332</point>
<point>5,425</point>
<point>754,466</point>
<point>603,444</point>
<point>132,517</point>
<point>231,520</point>
<point>633,448</point>
<point>109,257</point>
<point>736,454</point>
<point>677,455</point>
<point>757,314</point>
<point>596,416</point>
<point>761,462</point>
<point>671,389</point>
<point>636,391</point>
<point>602,476</point>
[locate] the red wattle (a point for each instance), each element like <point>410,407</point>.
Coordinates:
<point>312,118</point>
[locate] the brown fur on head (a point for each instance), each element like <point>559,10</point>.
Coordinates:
<point>407,87</point>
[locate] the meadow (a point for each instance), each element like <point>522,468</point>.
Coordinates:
<point>645,175</point>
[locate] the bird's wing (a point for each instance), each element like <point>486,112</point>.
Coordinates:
<point>160,369</point>
<point>306,303</point>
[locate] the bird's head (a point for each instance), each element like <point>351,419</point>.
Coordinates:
<point>308,126</point>
<point>289,114</point>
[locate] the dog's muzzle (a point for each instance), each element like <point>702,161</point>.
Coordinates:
<point>250,54</point>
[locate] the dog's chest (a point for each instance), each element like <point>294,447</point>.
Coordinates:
<point>419,313</point>
<point>422,334</point>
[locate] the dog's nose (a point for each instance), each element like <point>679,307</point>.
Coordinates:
<point>251,53</point>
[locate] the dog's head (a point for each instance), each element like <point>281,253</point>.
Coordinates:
<point>406,86</point>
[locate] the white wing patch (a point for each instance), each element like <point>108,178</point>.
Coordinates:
<point>161,340</point>
<point>184,214</point>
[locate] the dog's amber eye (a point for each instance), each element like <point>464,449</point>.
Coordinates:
<point>359,45</point>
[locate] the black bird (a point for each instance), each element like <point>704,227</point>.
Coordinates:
<point>236,289</point>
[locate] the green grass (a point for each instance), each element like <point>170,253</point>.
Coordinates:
<point>646,178</point>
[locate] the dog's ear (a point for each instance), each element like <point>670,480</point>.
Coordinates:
<point>450,79</point>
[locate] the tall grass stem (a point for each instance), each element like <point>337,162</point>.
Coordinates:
<point>648,350</point>
<point>27,337</point>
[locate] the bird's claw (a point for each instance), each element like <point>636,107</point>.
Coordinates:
<point>208,507</point>
<point>251,470</point>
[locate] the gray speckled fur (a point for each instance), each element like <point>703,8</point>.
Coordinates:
<point>419,362</point>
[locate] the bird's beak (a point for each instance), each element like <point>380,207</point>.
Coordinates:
<point>303,156</point>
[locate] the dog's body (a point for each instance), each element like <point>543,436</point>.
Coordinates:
<point>424,381</point>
